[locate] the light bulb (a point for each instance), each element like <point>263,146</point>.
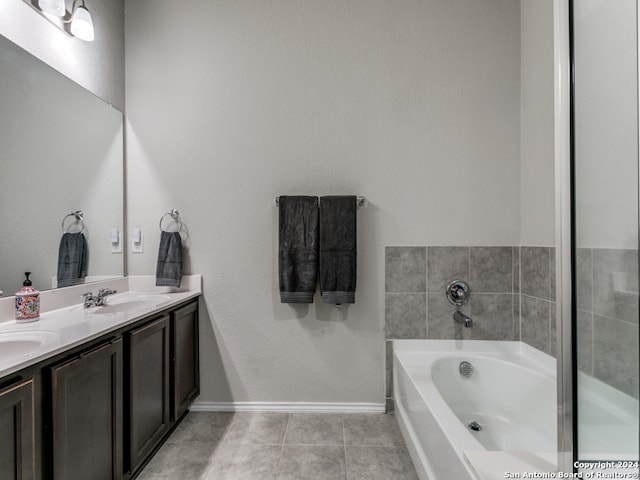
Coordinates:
<point>81,24</point>
<point>53,7</point>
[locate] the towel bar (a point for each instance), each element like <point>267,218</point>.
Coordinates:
<point>362,200</point>
<point>175,215</point>
<point>79,216</point>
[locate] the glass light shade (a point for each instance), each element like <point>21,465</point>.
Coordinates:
<point>81,24</point>
<point>53,7</point>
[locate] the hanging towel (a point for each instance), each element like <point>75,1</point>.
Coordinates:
<point>298,248</point>
<point>338,250</point>
<point>169,268</point>
<point>72,259</point>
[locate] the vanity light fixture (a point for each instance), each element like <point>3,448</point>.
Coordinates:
<point>81,22</point>
<point>76,22</point>
<point>53,7</point>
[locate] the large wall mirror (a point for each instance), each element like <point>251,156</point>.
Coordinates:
<point>61,151</point>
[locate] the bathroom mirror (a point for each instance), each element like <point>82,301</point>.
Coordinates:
<point>61,150</point>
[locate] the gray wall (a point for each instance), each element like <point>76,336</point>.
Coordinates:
<point>98,66</point>
<point>400,101</point>
<point>537,170</point>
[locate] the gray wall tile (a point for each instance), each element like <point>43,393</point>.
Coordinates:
<point>534,274</point>
<point>440,323</point>
<point>584,274</point>
<point>406,269</point>
<point>534,322</point>
<point>609,266</point>
<point>445,264</point>
<point>389,405</point>
<point>491,269</point>
<point>516,316</point>
<point>405,315</point>
<point>516,269</point>
<point>615,353</point>
<point>389,368</point>
<point>585,342</point>
<point>492,315</point>
<point>553,344</point>
<point>552,274</point>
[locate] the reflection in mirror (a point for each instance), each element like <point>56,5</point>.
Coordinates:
<point>605,120</point>
<point>61,151</point>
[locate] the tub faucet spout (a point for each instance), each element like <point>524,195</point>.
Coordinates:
<point>462,318</point>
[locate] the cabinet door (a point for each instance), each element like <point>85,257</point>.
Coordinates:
<point>148,388</point>
<point>185,372</point>
<point>87,415</point>
<point>17,447</point>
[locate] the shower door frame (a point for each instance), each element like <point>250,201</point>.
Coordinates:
<point>564,236</point>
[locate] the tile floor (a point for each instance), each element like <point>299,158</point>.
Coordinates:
<point>283,446</point>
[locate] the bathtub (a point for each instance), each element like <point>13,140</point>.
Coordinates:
<point>511,395</point>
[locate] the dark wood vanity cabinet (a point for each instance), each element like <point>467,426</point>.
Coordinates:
<point>17,439</point>
<point>87,414</point>
<point>148,388</point>
<point>185,373</point>
<point>100,410</point>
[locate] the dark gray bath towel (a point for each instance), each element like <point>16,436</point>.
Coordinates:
<point>72,259</point>
<point>298,248</point>
<point>169,268</point>
<point>338,250</point>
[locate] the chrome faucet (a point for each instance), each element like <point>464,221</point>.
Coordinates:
<point>458,293</point>
<point>460,317</point>
<point>99,299</point>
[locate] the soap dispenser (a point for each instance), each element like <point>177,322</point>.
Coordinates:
<point>27,302</point>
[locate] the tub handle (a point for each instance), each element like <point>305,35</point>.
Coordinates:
<point>458,293</point>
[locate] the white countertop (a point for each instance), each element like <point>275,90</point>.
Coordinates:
<point>65,324</point>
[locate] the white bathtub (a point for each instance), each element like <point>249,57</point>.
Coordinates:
<point>511,394</point>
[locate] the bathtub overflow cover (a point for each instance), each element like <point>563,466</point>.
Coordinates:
<point>475,426</point>
<point>466,369</point>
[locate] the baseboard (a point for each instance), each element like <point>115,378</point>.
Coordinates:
<point>288,407</point>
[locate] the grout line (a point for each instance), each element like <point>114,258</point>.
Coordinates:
<point>593,318</point>
<point>426,296</point>
<point>344,449</point>
<point>549,294</point>
<point>520,292</point>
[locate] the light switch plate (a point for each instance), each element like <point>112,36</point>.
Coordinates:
<point>116,247</point>
<point>138,247</point>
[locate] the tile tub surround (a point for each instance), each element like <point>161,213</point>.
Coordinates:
<point>607,296</point>
<point>283,446</point>
<point>512,294</point>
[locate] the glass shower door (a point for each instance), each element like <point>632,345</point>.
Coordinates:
<point>605,171</point>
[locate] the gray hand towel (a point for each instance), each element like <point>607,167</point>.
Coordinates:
<point>298,248</point>
<point>169,268</point>
<point>338,252</point>
<point>72,259</point>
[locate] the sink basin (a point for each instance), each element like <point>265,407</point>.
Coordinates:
<point>25,342</point>
<point>130,301</point>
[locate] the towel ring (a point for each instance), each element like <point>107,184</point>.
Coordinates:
<point>175,215</point>
<point>79,216</point>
